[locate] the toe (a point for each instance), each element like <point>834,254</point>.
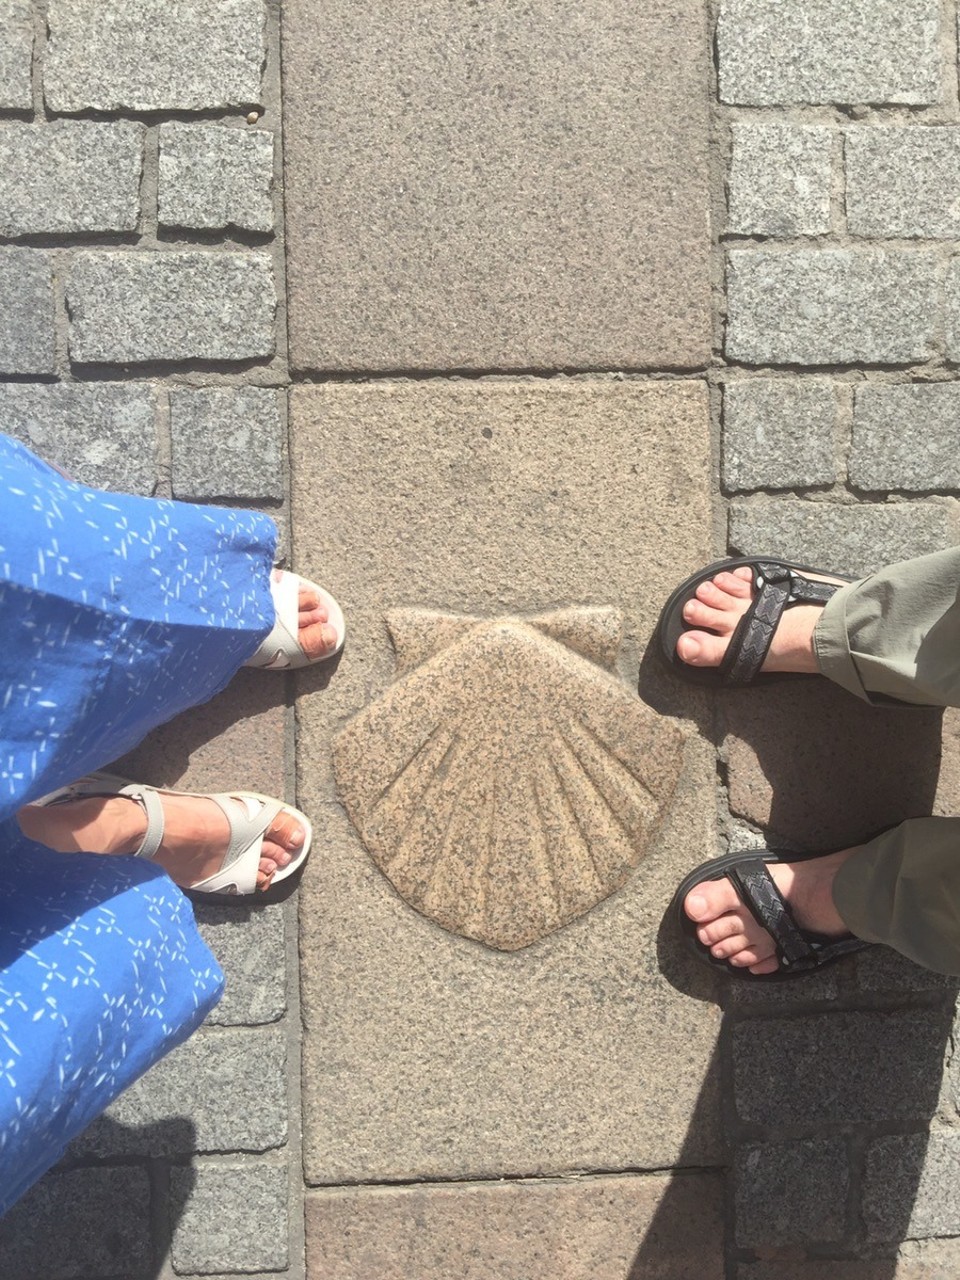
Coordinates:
<point>701,649</point>
<point>286,833</point>
<point>739,583</point>
<point>765,966</point>
<point>699,614</point>
<point>727,926</point>
<point>711,594</point>
<point>710,899</point>
<point>317,639</point>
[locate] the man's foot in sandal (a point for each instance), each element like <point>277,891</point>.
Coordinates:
<point>739,619</point>
<point>755,914</point>
<point>309,625</point>
<point>229,843</point>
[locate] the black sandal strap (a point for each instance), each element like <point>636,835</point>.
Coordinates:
<point>777,588</point>
<point>766,903</point>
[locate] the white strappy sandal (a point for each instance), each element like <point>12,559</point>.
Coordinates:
<point>281,650</point>
<point>248,813</point>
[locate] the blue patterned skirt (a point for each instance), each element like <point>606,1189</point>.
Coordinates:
<point>116,613</point>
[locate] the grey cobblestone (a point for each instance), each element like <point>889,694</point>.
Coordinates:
<point>853,539</point>
<point>903,182</point>
<point>27,342</point>
<point>780,179</point>
<point>231,1081</point>
<point>839,1068</point>
<point>232,1217</point>
<point>912,1186</point>
<point>213,177</point>
<point>791,1192</point>
<point>69,176</point>
<point>88,1222</point>
<point>953,309</point>
<point>778,433</point>
<point>844,51</point>
<point>16,52</point>
<point>905,437</point>
<point>101,434</point>
<point>227,443</point>
<point>165,306</point>
<point>250,948</point>
<point>150,55</point>
<point>831,306</point>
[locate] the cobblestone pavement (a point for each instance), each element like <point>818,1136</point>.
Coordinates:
<point>806,1130</point>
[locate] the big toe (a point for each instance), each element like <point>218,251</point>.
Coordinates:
<point>317,639</point>
<point>701,649</point>
<point>710,899</point>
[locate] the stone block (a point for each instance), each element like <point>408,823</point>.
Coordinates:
<point>842,772</point>
<point>657,1227</point>
<point>249,944</point>
<point>517,188</point>
<point>147,55</point>
<point>851,539</point>
<point>101,434</point>
<point>839,1068</point>
<point>780,179</point>
<point>831,306</point>
<point>16,55</point>
<point>913,1260</point>
<point>227,443</point>
<point>82,1223</point>
<point>779,433</point>
<point>903,182</point>
<point>880,969</point>
<point>847,51</point>
<point>66,176</point>
<point>223,1090</point>
<point>141,305</point>
<point>213,177</point>
<point>952,289</point>
<point>791,1192</point>
<point>905,437</point>
<point>912,1186</point>
<point>27,343</point>
<point>230,1217</point>
<point>489,498</point>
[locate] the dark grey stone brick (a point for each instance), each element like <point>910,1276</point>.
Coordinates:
<point>230,1217</point>
<point>227,443</point>
<point>839,1068</point>
<point>69,175</point>
<point>27,343</point>
<point>848,51</point>
<point>778,433</point>
<point>88,1222</point>
<point>224,1090</point>
<point>906,437</point>
<point>912,1186</point>
<point>16,52</point>
<point>880,969</point>
<point>149,55</point>
<point>249,945</point>
<point>845,538</point>
<point>791,1193</point>
<point>102,434</point>
<point>780,179</point>
<point>212,177</point>
<point>903,182</point>
<point>831,306</point>
<point>179,305</point>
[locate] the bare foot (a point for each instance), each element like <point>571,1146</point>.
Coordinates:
<point>729,929</point>
<point>719,606</point>
<point>314,635</point>
<point>195,838</point>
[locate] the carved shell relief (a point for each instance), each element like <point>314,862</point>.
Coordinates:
<point>507,783</point>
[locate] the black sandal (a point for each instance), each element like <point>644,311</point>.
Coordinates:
<point>799,951</point>
<point>777,584</point>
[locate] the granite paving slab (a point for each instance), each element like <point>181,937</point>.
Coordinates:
<point>427,1054</point>
<point>510,187</point>
<point>657,1227</point>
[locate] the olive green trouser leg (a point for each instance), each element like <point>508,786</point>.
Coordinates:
<point>896,634</point>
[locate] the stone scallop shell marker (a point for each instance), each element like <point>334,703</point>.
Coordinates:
<point>507,782</point>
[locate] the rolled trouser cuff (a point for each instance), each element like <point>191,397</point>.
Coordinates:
<point>831,645</point>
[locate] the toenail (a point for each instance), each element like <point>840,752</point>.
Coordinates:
<point>696,905</point>
<point>296,837</point>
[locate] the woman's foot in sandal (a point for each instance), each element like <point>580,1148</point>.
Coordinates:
<point>732,934</point>
<point>308,626</point>
<point>196,833</point>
